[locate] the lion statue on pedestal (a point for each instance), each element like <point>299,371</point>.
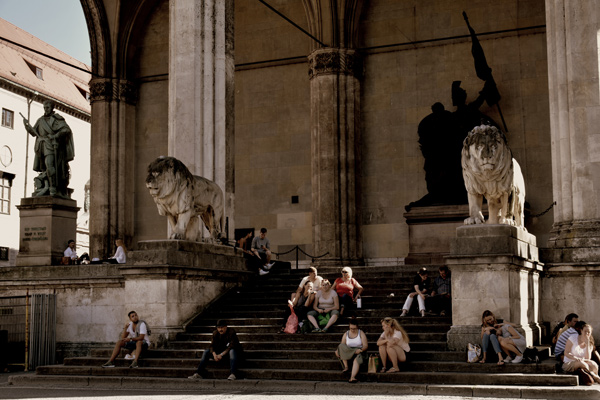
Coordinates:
<point>183,197</point>
<point>490,170</point>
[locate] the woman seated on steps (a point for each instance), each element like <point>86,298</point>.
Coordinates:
<point>503,337</point>
<point>393,344</point>
<point>301,303</point>
<point>325,307</point>
<point>353,345</point>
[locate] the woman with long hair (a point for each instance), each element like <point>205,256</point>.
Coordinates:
<point>353,345</point>
<point>579,350</point>
<point>393,344</point>
<point>489,334</point>
<point>344,287</point>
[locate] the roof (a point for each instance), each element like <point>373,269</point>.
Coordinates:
<point>60,81</point>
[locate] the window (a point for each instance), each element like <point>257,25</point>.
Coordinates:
<point>39,73</point>
<point>8,118</point>
<point>85,94</point>
<point>5,186</point>
<point>4,257</point>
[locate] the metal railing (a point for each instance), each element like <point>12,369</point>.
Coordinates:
<point>299,250</point>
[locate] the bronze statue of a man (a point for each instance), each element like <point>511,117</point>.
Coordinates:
<point>54,149</point>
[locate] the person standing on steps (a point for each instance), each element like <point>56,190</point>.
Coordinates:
<point>261,248</point>
<point>224,343</point>
<point>134,338</point>
<point>421,284</point>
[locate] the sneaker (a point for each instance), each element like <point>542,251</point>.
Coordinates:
<point>108,364</point>
<point>422,313</point>
<point>517,359</point>
<point>404,313</point>
<point>269,266</point>
<point>195,376</point>
<point>508,359</point>
<point>134,365</point>
<point>262,272</point>
<point>316,330</point>
<point>231,377</point>
<point>130,356</point>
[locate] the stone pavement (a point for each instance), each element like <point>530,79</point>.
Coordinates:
<point>180,389</point>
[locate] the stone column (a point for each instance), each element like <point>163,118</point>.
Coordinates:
<point>335,149</point>
<point>335,72</point>
<point>201,96</point>
<point>112,173</point>
<point>573,255</point>
<point>573,74</point>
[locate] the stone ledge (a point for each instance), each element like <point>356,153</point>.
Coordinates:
<point>304,387</point>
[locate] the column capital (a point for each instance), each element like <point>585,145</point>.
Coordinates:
<point>103,89</point>
<point>334,61</point>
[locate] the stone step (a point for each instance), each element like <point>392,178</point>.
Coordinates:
<point>330,363</point>
<point>421,377</point>
<point>104,354</point>
<point>274,328</point>
<point>228,313</point>
<point>272,337</point>
<point>426,390</point>
<point>362,319</point>
<point>287,345</point>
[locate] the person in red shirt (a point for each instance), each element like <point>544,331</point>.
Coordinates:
<point>344,288</point>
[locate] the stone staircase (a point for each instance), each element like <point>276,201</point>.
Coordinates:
<point>256,311</point>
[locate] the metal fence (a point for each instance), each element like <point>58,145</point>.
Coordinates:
<point>29,323</point>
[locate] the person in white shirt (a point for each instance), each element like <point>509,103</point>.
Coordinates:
<point>121,253</point>
<point>71,253</point>
<point>134,338</point>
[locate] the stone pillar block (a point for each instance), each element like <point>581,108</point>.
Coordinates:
<point>47,223</point>
<point>494,267</point>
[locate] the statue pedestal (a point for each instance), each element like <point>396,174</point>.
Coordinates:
<point>47,224</point>
<point>431,230</point>
<point>494,267</point>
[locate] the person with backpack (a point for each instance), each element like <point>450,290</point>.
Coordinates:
<point>134,338</point>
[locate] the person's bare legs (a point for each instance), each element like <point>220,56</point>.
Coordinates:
<point>331,321</point>
<point>138,349</point>
<point>313,321</point>
<point>383,357</point>
<point>508,345</point>
<point>354,370</point>
<point>116,350</point>
<point>393,358</point>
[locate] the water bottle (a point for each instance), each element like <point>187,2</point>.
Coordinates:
<point>358,302</point>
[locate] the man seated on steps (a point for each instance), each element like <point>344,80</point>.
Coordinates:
<point>564,335</point>
<point>441,300</point>
<point>224,343</point>
<point>261,247</point>
<point>134,338</point>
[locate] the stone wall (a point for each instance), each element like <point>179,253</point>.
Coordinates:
<point>401,83</point>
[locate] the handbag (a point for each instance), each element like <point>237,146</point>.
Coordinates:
<point>323,319</point>
<point>291,325</point>
<point>473,352</point>
<point>373,364</point>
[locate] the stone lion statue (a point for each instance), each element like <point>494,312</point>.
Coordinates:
<point>182,197</point>
<point>490,170</point>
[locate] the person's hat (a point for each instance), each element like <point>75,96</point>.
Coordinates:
<point>423,271</point>
<point>221,323</point>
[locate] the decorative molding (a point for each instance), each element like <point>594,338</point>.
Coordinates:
<point>128,92</point>
<point>101,90</point>
<point>335,61</point>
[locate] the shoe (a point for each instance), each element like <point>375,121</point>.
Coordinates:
<point>195,376</point>
<point>443,314</point>
<point>231,377</point>
<point>508,359</point>
<point>517,359</point>
<point>316,330</point>
<point>134,365</point>
<point>108,365</point>
<point>404,313</point>
<point>270,265</point>
<point>422,313</point>
<point>324,330</point>
<point>262,272</point>
<point>129,356</point>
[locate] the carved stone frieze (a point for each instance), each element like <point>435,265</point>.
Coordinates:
<point>127,92</point>
<point>108,90</point>
<point>335,61</point>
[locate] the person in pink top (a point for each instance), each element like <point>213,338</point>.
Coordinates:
<point>344,288</point>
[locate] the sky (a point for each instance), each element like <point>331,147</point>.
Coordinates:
<point>59,23</point>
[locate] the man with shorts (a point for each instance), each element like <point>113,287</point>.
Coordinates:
<point>134,338</point>
<point>261,248</point>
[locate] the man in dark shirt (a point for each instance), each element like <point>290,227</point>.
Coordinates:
<point>224,343</point>
<point>441,299</point>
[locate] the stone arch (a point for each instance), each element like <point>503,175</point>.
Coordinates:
<point>98,29</point>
